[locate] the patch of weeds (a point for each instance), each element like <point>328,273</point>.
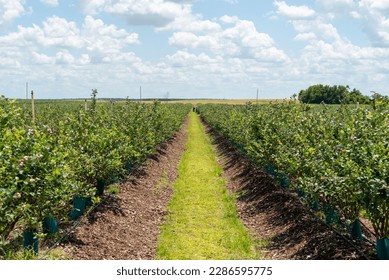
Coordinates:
<point>163,182</point>
<point>112,189</point>
<point>57,254</point>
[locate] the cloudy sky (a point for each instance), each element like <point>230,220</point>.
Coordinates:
<point>191,48</point>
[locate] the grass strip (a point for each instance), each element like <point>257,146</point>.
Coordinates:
<point>202,222</point>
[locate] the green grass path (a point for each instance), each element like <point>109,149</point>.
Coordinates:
<point>202,222</point>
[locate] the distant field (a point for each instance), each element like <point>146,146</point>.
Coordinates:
<point>213,101</point>
<point>182,101</point>
<point>226,101</point>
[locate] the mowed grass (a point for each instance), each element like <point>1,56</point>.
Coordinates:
<point>202,222</point>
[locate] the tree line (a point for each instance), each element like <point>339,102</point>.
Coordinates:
<point>336,94</point>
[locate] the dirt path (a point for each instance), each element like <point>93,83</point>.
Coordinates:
<point>127,225</point>
<point>291,230</point>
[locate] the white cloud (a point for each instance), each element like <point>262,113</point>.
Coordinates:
<point>234,57</point>
<point>51,3</point>
<point>61,33</point>
<point>190,40</point>
<point>186,59</point>
<point>96,41</point>
<point>374,15</point>
<point>338,8</point>
<point>64,57</point>
<point>377,5</point>
<point>232,1</point>
<point>191,23</point>
<point>10,58</point>
<point>337,5</point>
<point>41,58</point>
<point>294,12</point>
<point>355,15</point>
<point>341,62</point>
<point>69,55</point>
<point>92,6</point>
<point>247,35</point>
<point>105,38</point>
<point>202,71</point>
<point>308,36</point>
<point>317,29</point>
<point>156,13</point>
<point>239,40</point>
<point>85,59</point>
<point>162,14</point>
<point>371,14</point>
<point>229,19</point>
<point>10,10</point>
<point>328,56</point>
<point>55,32</point>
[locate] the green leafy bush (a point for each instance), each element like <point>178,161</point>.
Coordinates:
<point>68,150</point>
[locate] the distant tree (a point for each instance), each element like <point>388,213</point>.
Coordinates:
<point>379,97</point>
<point>317,94</point>
<point>355,96</point>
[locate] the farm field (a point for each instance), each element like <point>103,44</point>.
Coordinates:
<point>81,102</point>
<point>296,183</point>
<point>228,101</point>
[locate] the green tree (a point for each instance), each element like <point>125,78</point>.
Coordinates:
<point>317,94</point>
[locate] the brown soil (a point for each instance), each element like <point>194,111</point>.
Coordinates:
<point>127,225</point>
<point>291,230</point>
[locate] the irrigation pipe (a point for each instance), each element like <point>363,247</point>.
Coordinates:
<point>336,232</point>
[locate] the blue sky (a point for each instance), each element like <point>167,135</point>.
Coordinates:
<point>191,48</point>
